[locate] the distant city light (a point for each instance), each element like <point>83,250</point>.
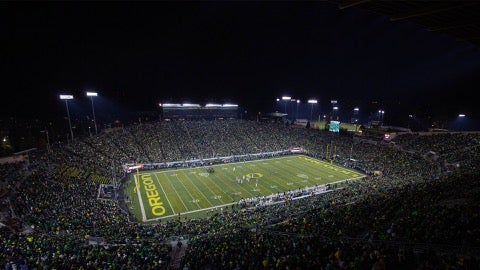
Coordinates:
<point>313,101</point>
<point>356,109</point>
<point>461,115</point>
<point>335,108</point>
<point>230,105</point>
<point>92,94</point>
<point>278,99</point>
<point>286,98</point>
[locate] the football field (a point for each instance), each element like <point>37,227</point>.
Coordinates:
<point>195,192</point>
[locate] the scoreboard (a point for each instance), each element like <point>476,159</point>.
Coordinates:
<point>334,126</point>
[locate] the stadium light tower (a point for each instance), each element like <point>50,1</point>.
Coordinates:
<point>461,117</point>
<point>91,95</point>
<point>67,98</point>
<point>298,103</point>
<point>312,101</point>
<point>334,112</point>
<point>285,100</point>
<point>380,115</point>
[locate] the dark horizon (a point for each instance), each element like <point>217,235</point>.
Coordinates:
<point>136,55</point>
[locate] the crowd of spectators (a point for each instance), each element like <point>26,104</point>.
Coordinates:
<point>420,213</point>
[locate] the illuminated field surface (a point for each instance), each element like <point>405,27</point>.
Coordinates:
<point>195,192</point>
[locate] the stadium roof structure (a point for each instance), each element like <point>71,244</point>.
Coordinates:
<point>459,19</point>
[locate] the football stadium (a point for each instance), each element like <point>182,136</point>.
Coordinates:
<point>232,199</point>
<point>333,135</point>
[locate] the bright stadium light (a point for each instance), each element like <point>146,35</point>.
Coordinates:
<point>229,105</point>
<point>210,105</point>
<point>285,99</point>
<point>312,101</point>
<point>67,98</point>
<point>91,95</point>
<point>170,105</point>
<point>380,115</point>
<point>335,108</point>
<point>298,102</point>
<point>356,109</point>
<point>190,105</point>
<point>461,115</point>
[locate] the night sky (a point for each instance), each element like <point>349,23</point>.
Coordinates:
<point>136,55</point>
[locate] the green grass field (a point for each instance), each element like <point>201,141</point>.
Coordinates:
<point>193,192</point>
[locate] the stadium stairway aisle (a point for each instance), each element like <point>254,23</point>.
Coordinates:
<point>178,251</point>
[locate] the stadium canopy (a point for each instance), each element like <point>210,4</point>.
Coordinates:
<point>459,19</point>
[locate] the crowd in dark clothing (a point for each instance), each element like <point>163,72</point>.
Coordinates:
<point>419,213</point>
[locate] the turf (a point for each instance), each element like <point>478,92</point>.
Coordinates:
<point>194,192</point>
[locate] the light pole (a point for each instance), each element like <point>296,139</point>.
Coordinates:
<point>312,101</point>
<point>66,98</point>
<point>91,95</point>
<point>335,109</point>
<point>461,116</point>
<point>355,117</point>
<point>298,102</point>
<point>355,114</point>
<point>285,100</point>
<point>380,115</point>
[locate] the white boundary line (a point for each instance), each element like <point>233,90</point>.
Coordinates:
<point>165,170</point>
<point>228,204</point>
<point>142,208</point>
<point>233,163</point>
<point>334,165</point>
<point>193,211</point>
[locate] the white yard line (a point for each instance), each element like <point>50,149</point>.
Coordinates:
<point>165,170</point>
<point>228,204</point>
<point>164,193</point>
<point>210,180</point>
<point>199,191</point>
<point>188,191</point>
<point>213,182</point>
